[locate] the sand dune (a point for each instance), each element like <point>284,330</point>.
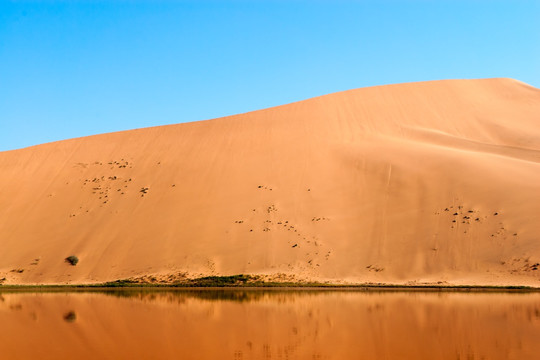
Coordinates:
<point>433,182</point>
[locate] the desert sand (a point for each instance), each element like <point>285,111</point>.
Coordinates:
<point>420,183</point>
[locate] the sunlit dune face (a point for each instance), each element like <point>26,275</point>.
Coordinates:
<point>417,183</point>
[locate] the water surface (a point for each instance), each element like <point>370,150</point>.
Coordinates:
<point>276,324</point>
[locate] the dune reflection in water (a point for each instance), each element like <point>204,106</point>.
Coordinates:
<point>276,324</point>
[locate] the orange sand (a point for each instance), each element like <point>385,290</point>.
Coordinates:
<point>357,186</point>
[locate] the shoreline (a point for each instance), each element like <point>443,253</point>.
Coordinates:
<point>257,282</point>
<point>106,287</point>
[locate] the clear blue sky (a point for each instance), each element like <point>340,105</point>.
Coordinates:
<point>76,68</point>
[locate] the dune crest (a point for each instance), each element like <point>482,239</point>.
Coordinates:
<point>431,182</point>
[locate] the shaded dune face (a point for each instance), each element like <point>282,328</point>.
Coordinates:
<point>434,182</point>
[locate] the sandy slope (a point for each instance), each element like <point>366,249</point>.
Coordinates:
<point>357,186</point>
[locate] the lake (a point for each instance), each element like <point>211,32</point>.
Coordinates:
<point>244,324</point>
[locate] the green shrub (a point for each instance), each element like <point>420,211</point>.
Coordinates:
<point>72,259</point>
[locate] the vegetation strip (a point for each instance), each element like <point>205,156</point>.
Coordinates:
<point>249,281</point>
